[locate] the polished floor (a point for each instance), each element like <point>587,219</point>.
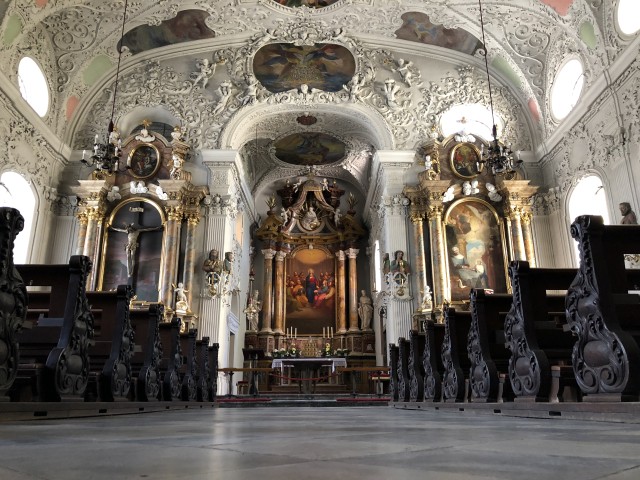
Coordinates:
<point>306,443</point>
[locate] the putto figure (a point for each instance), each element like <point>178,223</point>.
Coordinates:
<point>628,215</point>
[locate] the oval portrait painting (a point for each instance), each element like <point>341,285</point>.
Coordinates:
<point>464,159</point>
<point>143,161</point>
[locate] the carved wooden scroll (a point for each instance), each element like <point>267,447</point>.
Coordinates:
<point>393,373</point>
<point>148,381</point>
<point>454,354</point>
<point>432,362</point>
<point>172,360</point>
<point>189,390</point>
<point>416,390</point>
<point>404,382</point>
<point>213,369</point>
<point>204,376</point>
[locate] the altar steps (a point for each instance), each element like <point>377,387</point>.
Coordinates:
<point>290,400</point>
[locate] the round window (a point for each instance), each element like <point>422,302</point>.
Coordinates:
<point>33,85</point>
<point>628,16</point>
<point>566,88</point>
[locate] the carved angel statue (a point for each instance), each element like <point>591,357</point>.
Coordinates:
<point>224,92</point>
<point>207,70</point>
<point>135,188</point>
<point>354,86</point>
<point>284,213</point>
<point>182,302</point>
<point>337,217</point>
<point>427,300</point>
<point>252,311</point>
<point>251,91</point>
<point>114,194</point>
<point>144,135</point>
<point>448,195</point>
<point>365,310</point>
<point>176,167</point>
<point>297,185</point>
<point>390,90</point>
<point>310,219</point>
<point>494,196</point>
<point>325,184</point>
<point>404,69</point>
<point>470,188</point>
<point>162,195</point>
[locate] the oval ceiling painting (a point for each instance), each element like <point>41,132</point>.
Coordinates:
<point>306,3</point>
<point>418,28</point>
<point>310,148</point>
<point>186,26</point>
<point>285,66</point>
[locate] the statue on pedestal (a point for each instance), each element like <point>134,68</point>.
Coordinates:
<point>182,303</point>
<point>365,311</point>
<point>252,311</point>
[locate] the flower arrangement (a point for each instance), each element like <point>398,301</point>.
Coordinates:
<point>292,352</point>
<point>341,352</point>
<point>326,351</point>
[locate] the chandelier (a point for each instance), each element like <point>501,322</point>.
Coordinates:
<point>498,157</point>
<point>106,152</point>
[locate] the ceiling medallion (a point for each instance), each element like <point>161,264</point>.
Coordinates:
<point>306,119</point>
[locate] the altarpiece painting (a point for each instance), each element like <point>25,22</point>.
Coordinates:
<point>475,246</point>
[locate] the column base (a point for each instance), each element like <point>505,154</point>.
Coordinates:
<point>266,342</point>
<point>354,342</point>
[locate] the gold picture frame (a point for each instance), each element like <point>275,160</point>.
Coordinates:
<point>463,160</point>
<point>144,161</point>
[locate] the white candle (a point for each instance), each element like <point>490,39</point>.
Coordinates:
<point>96,139</point>
<point>83,153</point>
<point>296,334</point>
<point>331,332</point>
<point>323,335</point>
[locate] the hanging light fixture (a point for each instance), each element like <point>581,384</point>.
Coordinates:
<point>106,154</point>
<point>499,157</point>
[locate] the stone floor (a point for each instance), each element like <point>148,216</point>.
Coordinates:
<point>363,443</point>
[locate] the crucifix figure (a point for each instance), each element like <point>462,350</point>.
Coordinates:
<point>132,243</point>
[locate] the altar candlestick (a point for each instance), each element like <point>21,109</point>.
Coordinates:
<point>295,335</point>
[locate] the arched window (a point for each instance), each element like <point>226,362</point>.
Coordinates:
<point>469,119</point>
<point>588,198</point>
<point>628,16</point>
<point>33,85</point>
<point>16,192</point>
<point>566,88</point>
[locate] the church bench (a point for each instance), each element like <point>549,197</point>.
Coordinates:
<point>171,361</point>
<point>455,381</point>
<point>404,382</point>
<point>145,361</point>
<point>213,371</point>
<point>486,347</point>
<point>189,367</point>
<point>602,313</point>
<point>112,346</point>
<point>415,367</point>
<point>540,347</point>
<point>432,361</point>
<point>13,299</point>
<point>55,353</point>
<point>203,379</point>
<point>394,392</point>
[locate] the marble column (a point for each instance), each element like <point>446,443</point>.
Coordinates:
<point>527,236</point>
<point>170,247</point>
<point>418,236</point>
<point>352,253</point>
<point>439,258</point>
<point>279,292</point>
<point>268,290</point>
<point>190,255</point>
<point>82,233</point>
<point>516,232</point>
<point>94,217</point>
<point>342,294</point>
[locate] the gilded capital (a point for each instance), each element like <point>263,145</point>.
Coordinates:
<point>82,218</point>
<point>174,213</point>
<point>269,254</point>
<point>193,218</point>
<point>434,212</point>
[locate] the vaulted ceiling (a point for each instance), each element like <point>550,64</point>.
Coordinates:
<point>439,42</point>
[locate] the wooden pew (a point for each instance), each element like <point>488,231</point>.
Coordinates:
<point>56,359</point>
<point>171,360</point>
<point>486,347</point>
<point>145,362</point>
<point>204,374</point>
<point>534,333</point>
<point>189,369</point>
<point>112,346</point>
<point>415,367</point>
<point>454,355</point>
<point>13,299</point>
<point>213,371</point>
<point>404,382</point>
<point>601,312</point>
<point>394,391</point>
<point>432,361</point>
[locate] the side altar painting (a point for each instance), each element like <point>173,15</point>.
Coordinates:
<point>310,291</point>
<point>475,248</point>
<point>132,248</point>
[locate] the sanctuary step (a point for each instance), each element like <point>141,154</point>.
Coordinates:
<point>292,400</point>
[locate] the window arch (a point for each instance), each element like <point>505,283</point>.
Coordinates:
<point>16,192</point>
<point>628,17</point>
<point>566,88</point>
<point>588,197</point>
<point>33,85</point>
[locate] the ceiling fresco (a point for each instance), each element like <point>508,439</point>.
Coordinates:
<point>418,28</point>
<point>285,66</point>
<point>310,148</point>
<point>306,3</point>
<point>186,26</point>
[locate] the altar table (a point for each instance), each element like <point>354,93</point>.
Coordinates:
<point>308,368</point>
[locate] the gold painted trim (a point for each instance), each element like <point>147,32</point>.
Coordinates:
<point>132,153</point>
<point>453,153</point>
